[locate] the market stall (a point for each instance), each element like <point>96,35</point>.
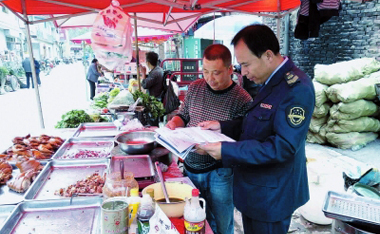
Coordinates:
<point>74,178</point>
<point>159,14</point>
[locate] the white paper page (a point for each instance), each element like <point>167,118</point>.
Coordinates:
<point>178,139</point>
<point>173,150</point>
<point>210,136</point>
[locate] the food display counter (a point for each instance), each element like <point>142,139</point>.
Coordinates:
<point>57,200</point>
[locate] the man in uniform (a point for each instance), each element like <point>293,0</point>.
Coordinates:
<point>269,162</point>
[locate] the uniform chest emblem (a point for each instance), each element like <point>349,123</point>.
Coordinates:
<point>296,116</point>
<point>266,106</point>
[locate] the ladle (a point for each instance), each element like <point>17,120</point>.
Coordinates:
<point>162,182</point>
<point>122,169</point>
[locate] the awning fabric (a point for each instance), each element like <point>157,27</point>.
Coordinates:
<point>35,7</point>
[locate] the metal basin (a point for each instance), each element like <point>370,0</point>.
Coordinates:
<point>136,142</point>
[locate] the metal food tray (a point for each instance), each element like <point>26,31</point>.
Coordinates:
<point>79,215</point>
<point>8,196</point>
<point>96,130</point>
<point>352,208</point>
<point>140,165</point>
<point>73,145</point>
<point>62,173</point>
<point>5,212</point>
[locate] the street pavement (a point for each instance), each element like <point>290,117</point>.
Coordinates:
<point>66,88</point>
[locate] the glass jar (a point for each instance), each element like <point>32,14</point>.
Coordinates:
<point>116,187</point>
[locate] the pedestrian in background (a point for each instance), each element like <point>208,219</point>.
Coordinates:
<point>268,160</point>
<point>93,76</point>
<point>28,72</point>
<point>153,82</point>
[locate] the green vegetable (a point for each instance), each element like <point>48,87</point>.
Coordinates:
<point>73,118</point>
<point>100,101</point>
<point>152,106</point>
<point>114,92</point>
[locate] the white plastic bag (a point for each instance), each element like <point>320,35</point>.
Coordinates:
<point>111,37</point>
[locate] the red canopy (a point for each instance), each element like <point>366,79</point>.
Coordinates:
<point>44,7</point>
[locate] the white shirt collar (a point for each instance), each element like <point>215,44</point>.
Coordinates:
<point>274,72</point>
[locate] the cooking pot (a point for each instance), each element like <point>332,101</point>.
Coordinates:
<point>176,190</point>
<point>136,142</point>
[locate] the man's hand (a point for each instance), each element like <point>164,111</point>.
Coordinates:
<point>171,125</point>
<point>210,125</point>
<point>213,149</point>
<point>175,122</point>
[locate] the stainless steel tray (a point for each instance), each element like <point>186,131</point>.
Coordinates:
<point>96,130</point>
<point>8,196</point>
<point>5,212</point>
<point>140,165</point>
<point>102,145</point>
<point>83,215</point>
<point>352,208</point>
<point>62,173</point>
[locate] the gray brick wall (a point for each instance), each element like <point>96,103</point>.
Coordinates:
<point>355,33</point>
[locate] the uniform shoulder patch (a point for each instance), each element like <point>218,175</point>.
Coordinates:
<point>291,78</point>
<point>295,115</point>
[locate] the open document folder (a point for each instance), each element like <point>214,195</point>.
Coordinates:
<point>182,140</point>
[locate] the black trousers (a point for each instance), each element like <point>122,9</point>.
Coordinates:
<point>29,78</point>
<point>256,227</point>
<point>92,89</point>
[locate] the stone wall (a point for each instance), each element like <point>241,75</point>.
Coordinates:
<point>355,33</point>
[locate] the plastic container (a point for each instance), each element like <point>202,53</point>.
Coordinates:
<point>145,212</point>
<point>194,215</point>
<point>133,205</point>
<point>117,187</point>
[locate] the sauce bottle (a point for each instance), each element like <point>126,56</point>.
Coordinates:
<point>145,212</point>
<point>194,214</point>
<point>133,206</point>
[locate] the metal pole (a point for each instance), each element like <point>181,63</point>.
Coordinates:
<point>286,36</point>
<point>213,42</point>
<point>34,76</point>
<point>279,29</point>
<point>137,53</point>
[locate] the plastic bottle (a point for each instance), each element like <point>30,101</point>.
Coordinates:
<point>145,212</point>
<point>133,206</point>
<point>194,214</point>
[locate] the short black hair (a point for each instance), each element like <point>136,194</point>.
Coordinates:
<point>218,51</point>
<point>258,38</point>
<point>152,58</point>
<point>94,61</point>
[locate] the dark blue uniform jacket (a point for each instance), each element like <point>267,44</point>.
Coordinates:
<point>270,178</point>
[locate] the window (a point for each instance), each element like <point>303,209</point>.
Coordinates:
<point>4,9</point>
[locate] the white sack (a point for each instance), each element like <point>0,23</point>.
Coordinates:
<point>354,90</point>
<point>321,111</point>
<point>352,140</point>
<point>317,123</point>
<point>320,93</point>
<point>353,110</point>
<point>362,124</point>
<point>346,71</point>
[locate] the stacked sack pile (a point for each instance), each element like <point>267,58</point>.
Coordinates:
<point>345,114</point>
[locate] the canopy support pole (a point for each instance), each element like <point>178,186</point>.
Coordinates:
<point>213,39</point>
<point>286,36</point>
<point>32,66</point>
<point>137,52</point>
